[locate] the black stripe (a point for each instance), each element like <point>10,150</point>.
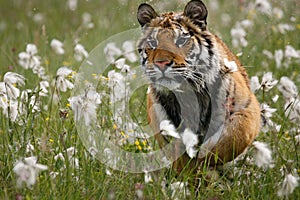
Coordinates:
<point>248,102</point>
<point>234,88</point>
<point>210,44</point>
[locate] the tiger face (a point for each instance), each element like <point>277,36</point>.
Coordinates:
<point>176,47</point>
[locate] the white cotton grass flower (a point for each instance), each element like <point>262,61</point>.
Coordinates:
<point>246,23</point>
<point>11,79</point>
<point>29,60</point>
<point>59,156</point>
<point>214,5</point>
<point>275,98</point>
<point>3,97</point>
<point>278,13</point>
<point>111,52</point>
<point>11,91</point>
<point>82,107</point>
<point>14,78</point>
<point>268,54</point>
<point>262,155</point>
<point>290,52</point>
<point>93,151</point>
<point>263,6</point>
<point>28,170</point>
<point>180,190</point>
<point>41,72</point>
<point>29,99</point>
<point>120,64</point>
<point>289,184</point>
<point>108,172</point>
<point>63,71</point>
<point>129,51</point>
<point>14,110</point>
<point>292,110</point>
<point>38,18</point>
<point>62,83</point>
<point>85,105</point>
<point>87,20</point>
<point>254,83</point>
<point>238,35</point>
<point>267,111</point>
<point>73,161</point>
<point>226,19</point>
<point>10,107</point>
<point>57,46</point>
<point>167,128</point>
<point>190,140</point>
<point>53,175</point>
<point>116,83</point>
<point>230,65</point>
<point>147,177</point>
<point>43,88</point>
<point>29,148</point>
<point>80,53</point>
<point>283,28</point>
<point>72,4</point>
<point>287,87</point>
<point>268,82</point>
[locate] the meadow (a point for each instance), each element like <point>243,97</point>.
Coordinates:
<point>44,45</point>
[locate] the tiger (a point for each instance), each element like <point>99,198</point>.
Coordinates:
<point>197,84</point>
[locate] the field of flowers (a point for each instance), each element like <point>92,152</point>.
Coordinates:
<point>44,51</point>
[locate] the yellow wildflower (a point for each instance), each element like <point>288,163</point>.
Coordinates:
<point>137,143</point>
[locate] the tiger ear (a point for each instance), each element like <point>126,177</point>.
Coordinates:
<point>145,14</point>
<point>197,12</point>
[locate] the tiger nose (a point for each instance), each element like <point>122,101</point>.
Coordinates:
<point>163,64</point>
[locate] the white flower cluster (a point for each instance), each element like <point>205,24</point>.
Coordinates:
<point>266,84</point>
<point>61,162</point>
<point>112,52</point>
<point>15,102</point>
<point>291,96</point>
<point>9,94</point>
<point>262,155</point>
<point>62,83</point>
<point>80,52</point>
<point>85,105</point>
<point>284,58</point>
<point>73,161</point>
<point>28,170</point>
<point>239,33</point>
<point>30,60</point>
<point>189,139</point>
<point>289,184</point>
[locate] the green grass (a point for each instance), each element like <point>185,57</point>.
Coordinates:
<point>51,134</point>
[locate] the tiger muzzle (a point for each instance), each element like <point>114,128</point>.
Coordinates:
<point>163,65</point>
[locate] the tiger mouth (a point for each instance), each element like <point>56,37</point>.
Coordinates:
<point>166,83</point>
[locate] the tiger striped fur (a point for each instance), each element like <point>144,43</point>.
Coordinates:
<point>196,83</point>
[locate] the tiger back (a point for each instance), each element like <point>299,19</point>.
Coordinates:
<point>196,83</point>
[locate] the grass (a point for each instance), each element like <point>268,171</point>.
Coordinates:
<point>50,133</point>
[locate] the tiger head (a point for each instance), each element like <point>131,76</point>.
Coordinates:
<point>176,47</point>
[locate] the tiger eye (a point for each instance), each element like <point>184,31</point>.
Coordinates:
<point>152,43</point>
<point>181,41</point>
